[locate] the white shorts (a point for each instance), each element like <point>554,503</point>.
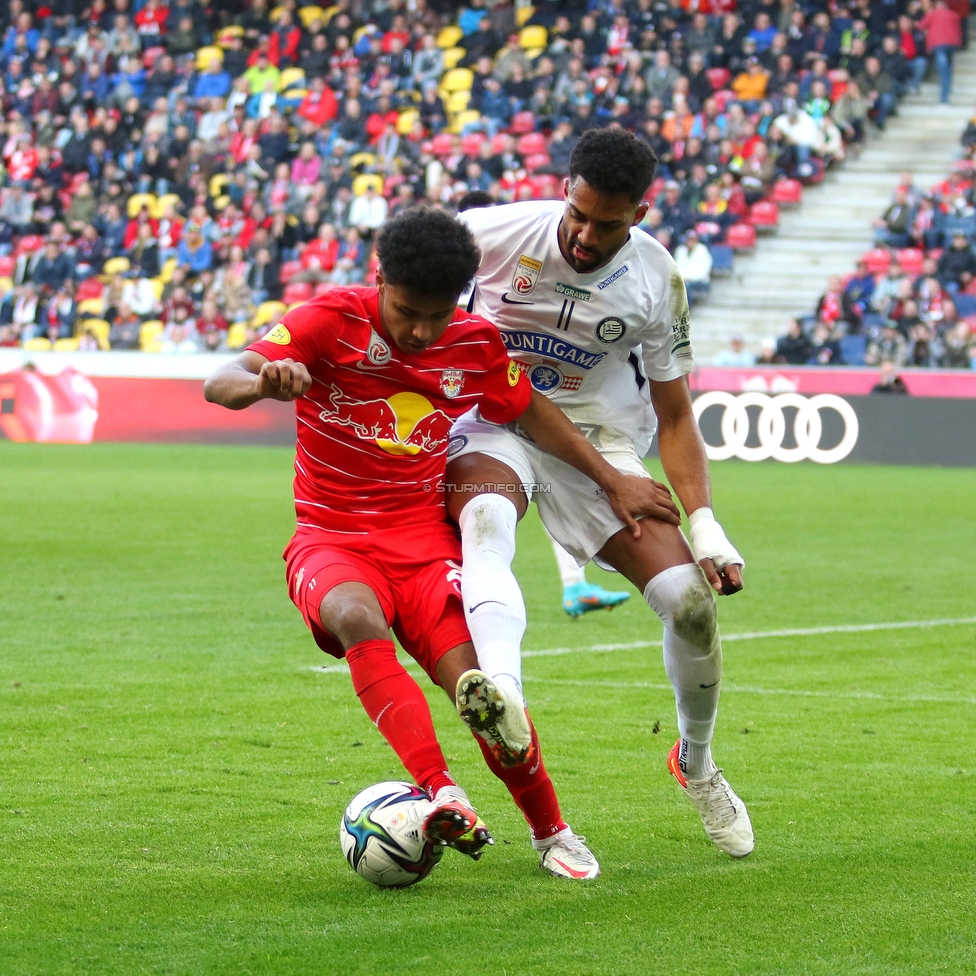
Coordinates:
<point>572,507</point>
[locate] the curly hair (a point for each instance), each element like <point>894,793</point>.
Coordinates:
<point>428,252</point>
<point>614,161</point>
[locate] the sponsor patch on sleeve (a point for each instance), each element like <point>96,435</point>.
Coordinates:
<point>681,333</point>
<point>279,335</point>
<point>513,372</point>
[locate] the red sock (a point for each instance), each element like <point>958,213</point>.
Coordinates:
<point>398,708</point>
<point>531,788</point>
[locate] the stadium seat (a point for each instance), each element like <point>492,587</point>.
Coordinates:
<point>532,143</point>
<point>522,123</point>
<point>787,193</point>
<point>217,183</point>
<point>237,335</point>
<point>463,119</point>
<point>309,14</point>
<point>457,101</point>
<point>718,77</point>
<point>39,344</point>
<point>523,13</point>
<point>66,345</point>
<point>545,186</point>
<point>116,266</point>
<point>361,160</point>
<point>449,36</point>
<point>442,144</point>
<point>878,260</point>
<point>149,336</point>
<point>28,244</point>
<point>722,98</point>
<point>267,311</point>
<point>852,349</point>
<point>723,258</point>
<point>94,307</point>
<point>910,259</point>
<point>364,180</point>
<point>7,265</point>
<point>457,79</point>
<point>451,57</point>
<point>97,327</point>
<point>169,266</point>
<point>289,269</point>
<point>292,78</point>
<point>406,120</point>
<point>764,215</point>
<point>297,291</point>
<point>137,201</point>
<point>89,288</point>
<point>471,144</point>
<point>5,285</point>
<point>533,36</point>
<point>227,34</point>
<point>741,237</point>
<point>206,54</point>
<point>537,161</point>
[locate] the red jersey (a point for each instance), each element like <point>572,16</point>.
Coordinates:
<point>373,428</point>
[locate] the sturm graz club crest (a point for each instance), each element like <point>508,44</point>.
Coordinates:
<point>545,378</point>
<point>610,329</point>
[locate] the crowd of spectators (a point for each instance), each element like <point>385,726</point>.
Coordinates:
<point>177,172</point>
<point>911,301</point>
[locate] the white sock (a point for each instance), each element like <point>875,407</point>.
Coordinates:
<point>493,605</point>
<point>684,601</point>
<point>570,572</point>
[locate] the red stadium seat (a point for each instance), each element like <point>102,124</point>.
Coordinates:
<point>878,260</point>
<point>910,259</point>
<point>764,214</point>
<point>89,288</point>
<point>471,144</point>
<point>297,291</point>
<point>442,144</point>
<point>289,269</point>
<point>522,122</point>
<point>7,265</point>
<point>28,244</point>
<point>718,77</point>
<point>499,143</point>
<point>545,186</point>
<point>741,237</point>
<point>722,98</point>
<point>537,161</point>
<point>531,144</point>
<point>787,193</point>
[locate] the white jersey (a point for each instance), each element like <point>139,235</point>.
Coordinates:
<point>587,341</point>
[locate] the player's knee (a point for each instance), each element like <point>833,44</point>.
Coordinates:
<point>685,602</point>
<point>489,521</point>
<point>353,623</point>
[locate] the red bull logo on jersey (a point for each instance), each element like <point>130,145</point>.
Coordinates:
<point>526,274</point>
<point>406,423</point>
<point>452,382</point>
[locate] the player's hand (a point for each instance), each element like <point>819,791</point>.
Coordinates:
<point>725,581</point>
<point>283,380</point>
<point>634,497</point>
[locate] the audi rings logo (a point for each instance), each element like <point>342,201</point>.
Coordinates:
<point>771,426</point>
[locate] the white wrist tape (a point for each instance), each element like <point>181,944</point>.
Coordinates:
<point>708,540</point>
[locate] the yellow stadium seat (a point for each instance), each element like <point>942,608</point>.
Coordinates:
<point>449,36</point>
<point>457,79</point>
<point>206,54</point>
<point>149,336</point>
<point>451,57</point>
<point>157,285</point>
<point>406,121</point>
<point>91,306</point>
<point>237,335</point>
<point>268,310</point>
<point>139,200</point>
<point>533,52</point>
<point>364,180</point>
<point>6,283</point>
<point>217,183</point>
<point>464,118</point>
<point>534,36</point>
<point>38,345</point>
<point>361,160</point>
<point>221,202</point>
<point>291,78</point>
<point>226,34</point>
<point>66,345</point>
<point>522,14</point>
<point>328,14</point>
<point>169,266</point>
<point>458,101</point>
<point>166,200</point>
<point>310,14</point>
<point>98,328</point>
<point>116,266</point>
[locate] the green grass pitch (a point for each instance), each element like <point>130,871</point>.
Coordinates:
<point>174,766</point>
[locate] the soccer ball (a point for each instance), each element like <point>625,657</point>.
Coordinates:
<point>382,835</point>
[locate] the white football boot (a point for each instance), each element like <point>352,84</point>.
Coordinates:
<point>496,719</point>
<point>723,814</point>
<point>566,856</point>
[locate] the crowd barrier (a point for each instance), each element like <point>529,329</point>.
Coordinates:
<point>783,414</point>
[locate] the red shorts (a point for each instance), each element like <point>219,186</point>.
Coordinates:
<point>414,570</point>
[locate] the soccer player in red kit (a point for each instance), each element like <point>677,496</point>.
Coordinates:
<point>378,376</point>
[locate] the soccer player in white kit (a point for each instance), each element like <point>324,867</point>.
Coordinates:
<point>596,314</point>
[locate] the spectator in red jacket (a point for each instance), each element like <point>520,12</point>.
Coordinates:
<point>942,27</point>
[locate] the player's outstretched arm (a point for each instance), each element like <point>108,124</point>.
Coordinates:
<point>631,497</point>
<point>685,463</point>
<point>252,377</point>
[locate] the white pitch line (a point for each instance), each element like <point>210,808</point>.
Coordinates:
<point>754,635</point>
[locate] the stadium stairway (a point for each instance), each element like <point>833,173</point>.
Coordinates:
<point>786,273</point>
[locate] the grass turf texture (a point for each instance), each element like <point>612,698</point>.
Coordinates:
<point>174,769</point>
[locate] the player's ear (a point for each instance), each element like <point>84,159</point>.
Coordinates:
<point>640,214</point>
<point>379,278</point>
